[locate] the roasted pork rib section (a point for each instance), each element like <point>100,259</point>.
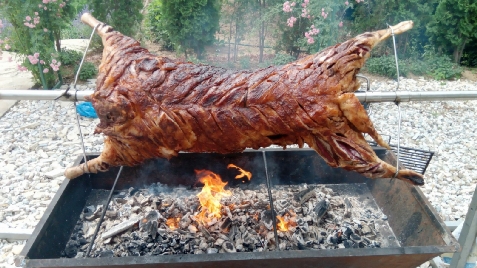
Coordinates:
<point>152,106</point>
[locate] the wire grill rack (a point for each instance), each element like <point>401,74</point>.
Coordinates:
<point>414,159</point>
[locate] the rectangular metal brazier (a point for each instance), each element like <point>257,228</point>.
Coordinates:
<point>419,230</point>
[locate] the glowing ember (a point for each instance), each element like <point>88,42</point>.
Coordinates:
<point>286,222</point>
<point>282,225</point>
<point>210,196</point>
<point>242,174</point>
<point>173,223</point>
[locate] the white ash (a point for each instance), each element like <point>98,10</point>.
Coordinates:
<point>29,151</point>
<point>136,223</point>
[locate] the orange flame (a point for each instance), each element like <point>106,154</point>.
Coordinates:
<point>242,174</point>
<point>210,196</point>
<point>173,223</point>
<point>282,224</point>
<point>286,222</point>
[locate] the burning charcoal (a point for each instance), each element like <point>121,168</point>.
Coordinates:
<point>348,244</point>
<point>355,237</point>
<point>267,219</point>
<point>327,191</point>
<point>111,214</point>
<point>305,195</point>
<point>149,224</point>
<point>244,205</point>
<point>135,209</point>
<point>192,229</point>
<point>203,245</point>
<point>82,241</point>
<point>185,221</point>
<point>336,201</point>
<point>314,233</point>
<point>132,201</point>
<point>162,231</point>
<point>94,215</point>
<point>212,222</point>
<point>348,207</point>
<point>167,202</point>
<point>270,238</point>
<point>366,229</point>
<point>219,242</point>
<point>119,201</point>
<point>227,211</point>
<point>132,191</point>
<point>119,228</point>
<point>363,244</point>
<point>320,209</point>
<point>71,249</point>
<point>106,254</point>
<point>332,240</point>
<point>212,250</point>
<point>239,244</point>
<point>198,251</point>
<point>261,204</point>
<point>225,225</point>
<point>204,231</point>
<point>228,247</point>
<point>347,232</point>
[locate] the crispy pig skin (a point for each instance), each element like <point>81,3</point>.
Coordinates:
<point>152,106</point>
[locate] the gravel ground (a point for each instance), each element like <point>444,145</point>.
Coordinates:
<point>38,139</point>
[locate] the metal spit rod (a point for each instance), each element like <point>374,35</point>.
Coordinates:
<point>374,96</point>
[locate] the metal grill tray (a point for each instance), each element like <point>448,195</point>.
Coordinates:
<point>414,159</point>
<point>421,233</point>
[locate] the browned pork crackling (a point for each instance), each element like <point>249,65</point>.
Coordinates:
<point>152,106</point>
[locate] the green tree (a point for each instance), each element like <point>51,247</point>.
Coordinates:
<point>235,16</point>
<point>35,35</point>
<point>453,25</point>
<point>124,15</point>
<point>191,24</point>
<point>309,26</point>
<point>376,14</point>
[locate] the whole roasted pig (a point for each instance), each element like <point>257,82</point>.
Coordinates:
<point>152,106</point>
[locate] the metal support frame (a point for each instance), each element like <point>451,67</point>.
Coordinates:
<point>368,96</point>
<point>467,235</point>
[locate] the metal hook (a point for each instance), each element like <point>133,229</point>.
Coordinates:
<point>76,99</point>
<point>81,65</point>
<point>397,104</point>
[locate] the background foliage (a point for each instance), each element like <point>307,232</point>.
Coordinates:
<point>35,34</point>
<point>125,15</point>
<point>444,35</point>
<point>187,25</point>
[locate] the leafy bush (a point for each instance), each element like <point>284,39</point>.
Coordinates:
<point>76,31</point>
<point>385,66</point>
<point>245,62</point>
<point>155,31</point>
<point>123,15</point>
<point>416,66</point>
<point>34,29</point>
<point>70,57</point>
<point>87,71</point>
<point>441,67</point>
<point>282,59</point>
<point>189,25</point>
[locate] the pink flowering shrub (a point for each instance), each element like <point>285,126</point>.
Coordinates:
<point>312,25</point>
<point>36,25</point>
